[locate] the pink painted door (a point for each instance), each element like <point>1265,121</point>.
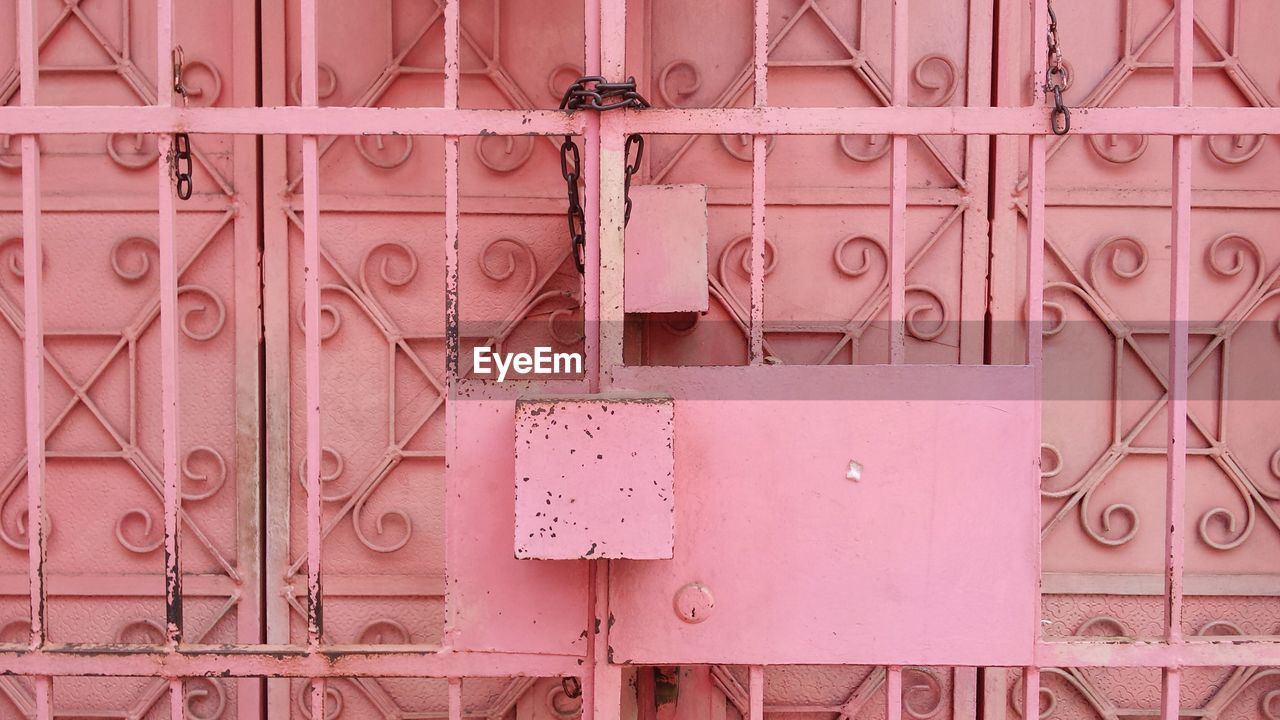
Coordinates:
<point>901,566</point>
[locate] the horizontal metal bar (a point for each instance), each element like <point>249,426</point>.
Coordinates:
<point>1153,584</point>
<point>381,661</point>
<point>954,121</point>
<point>282,661</point>
<point>52,120</point>
<point>1222,652</point>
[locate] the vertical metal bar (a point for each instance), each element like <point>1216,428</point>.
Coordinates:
<point>1030,693</point>
<point>455,688</point>
<point>599,340</point>
<point>759,151</point>
<point>898,194</point>
<point>33,348</point>
<point>1179,316</point>
<point>755,693</point>
<point>977,233</point>
<point>168,324</point>
<point>453,519</point>
<point>1036,181</point>
<point>893,693</point>
<point>964,693</point>
<point>1170,694</point>
<point>277,317</point>
<point>311,301</point>
<point>249,475</point>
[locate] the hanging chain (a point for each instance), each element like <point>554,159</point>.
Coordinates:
<point>594,93</point>
<point>1057,78</point>
<point>180,154</point>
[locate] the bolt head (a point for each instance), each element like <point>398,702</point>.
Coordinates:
<point>694,602</point>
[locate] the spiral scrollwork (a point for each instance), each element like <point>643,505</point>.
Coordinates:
<point>513,153</point>
<point>380,525</point>
<point>140,632</point>
<point>16,537</point>
<point>1218,628</point>
<point>15,632</point>
<point>744,259</point>
<point>212,313</point>
<point>560,77</point>
<point>1053,468</point>
<point>384,631</point>
<point>397,266</point>
<point>1110,148</point>
<point>331,311</point>
<point>678,81</point>
<point>560,318</point>
<point>336,467</point>
<point>11,153</point>
<point>1229,255</point>
<point>212,479</point>
<point>868,245</point>
<point>333,700</point>
<point>740,147</point>
<point>11,256</point>
<point>512,253</point>
<point>327,83</point>
<point>943,89</point>
<point>560,705</point>
<point>1116,251</point>
<point>1100,625</point>
<point>199,93</point>
<point>205,698</point>
<point>382,154</point>
<point>1053,318</point>
<point>1112,519</point>
<point>1236,150</point>
<point>922,696</point>
<point>864,148</point>
<point>1047,697</point>
<point>934,303</point>
<point>142,154</point>
<point>131,257</point>
<point>142,543</point>
<point>1236,531</point>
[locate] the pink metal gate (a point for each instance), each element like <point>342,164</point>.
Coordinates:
<point>867,204</point>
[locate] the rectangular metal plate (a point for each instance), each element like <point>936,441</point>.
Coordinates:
<point>594,477</point>
<point>666,250</point>
<point>929,558</point>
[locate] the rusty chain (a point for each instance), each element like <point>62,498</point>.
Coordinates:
<point>1057,78</point>
<point>594,93</point>
<point>180,153</point>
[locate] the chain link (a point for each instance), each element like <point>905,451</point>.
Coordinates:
<point>594,93</point>
<point>180,154</point>
<point>1057,78</point>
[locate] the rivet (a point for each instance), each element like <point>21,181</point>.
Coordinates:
<point>694,602</point>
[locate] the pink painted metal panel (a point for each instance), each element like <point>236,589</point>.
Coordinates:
<point>594,477</point>
<point>876,566</point>
<point>549,614</point>
<point>665,266</point>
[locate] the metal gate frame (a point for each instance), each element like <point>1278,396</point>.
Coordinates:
<point>605,137</point>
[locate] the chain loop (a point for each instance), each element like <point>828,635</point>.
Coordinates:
<point>595,93</point>
<point>180,154</point>
<point>1056,78</point>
